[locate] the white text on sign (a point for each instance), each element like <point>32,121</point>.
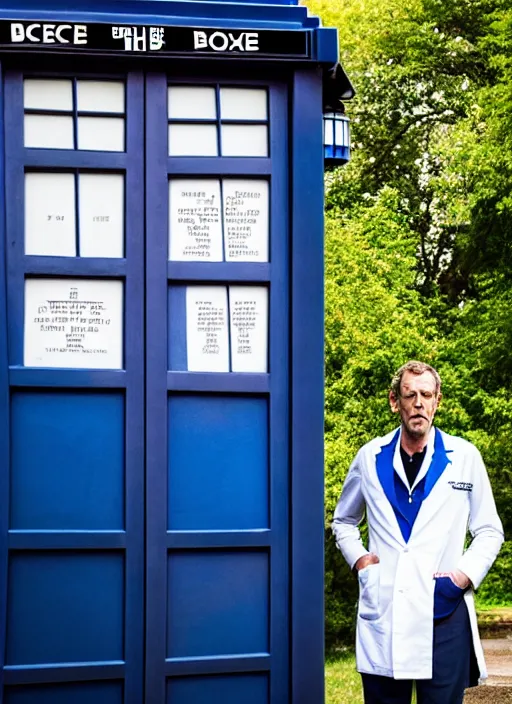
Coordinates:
<point>42,33</point>
<point>226,41</point>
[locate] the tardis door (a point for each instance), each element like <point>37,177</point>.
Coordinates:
<point>144,542</point>
<point>217,392</point>
<point>72,465</point>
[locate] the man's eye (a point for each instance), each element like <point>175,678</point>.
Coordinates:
<point>428,395</point>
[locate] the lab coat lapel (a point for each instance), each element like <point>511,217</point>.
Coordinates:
<point>385,474</point>
<point>385,465</point>
<point>440,460</point>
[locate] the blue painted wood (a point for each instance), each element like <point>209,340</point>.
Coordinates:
<point>255,538</point>
<point>87,433</point>
<point>88,538</point>
<point>220,382</point>
<point>228,689</point>
<point>156,385</point>
<point>69,378</point>
<point>52,158</point>
<point>177,322</point>
<point>227,272</point>
<point>307,392</point>
<point>198,542</point>
<point>64,607</point>
<point>77,672</point>
<point>210,439</point>
<point>259,662</point>
<point>265,14</point>
<point>65,539</point>
<point>279,304</point>
<point>80,693</point>
<point>4,406</point>
<point>70,266</point>
<point>15,217</point>
<point>229,15</point>
<point>230,617</point>
<point>228,166</point>
<point>134,364</point>
<point>273,388</point>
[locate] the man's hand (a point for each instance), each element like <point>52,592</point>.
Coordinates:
<point>457,576</point>
<point>370,559</point>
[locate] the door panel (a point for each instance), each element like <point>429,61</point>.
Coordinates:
<point>146,556</point>
<point>217,448</point>
<point>74,556</point>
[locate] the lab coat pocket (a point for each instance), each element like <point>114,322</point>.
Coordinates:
<point>369,581</point>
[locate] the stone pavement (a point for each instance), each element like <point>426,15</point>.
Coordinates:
<point>498,687</point>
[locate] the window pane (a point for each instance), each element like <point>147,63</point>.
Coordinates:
<point>50,223</point>
<point>59,342</point>
<point>192,140</point>
<point>104,134</point>
<point>244,140</point>
<point>246,220</point>
<point>100,96</point>
<point>48,94</point>
<point>101,215</point>
<point>248,307</point>
<point>49,132</point>
<point>207,329</point>
<point>243,104</point>
<point>190,102</point>
<point>195,228</point>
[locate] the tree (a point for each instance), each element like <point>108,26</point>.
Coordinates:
<point>419,238</point>
<point>375,321</point>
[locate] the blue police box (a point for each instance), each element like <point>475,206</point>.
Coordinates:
<point>161,352</point>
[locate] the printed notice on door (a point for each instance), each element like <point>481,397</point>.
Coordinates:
<point>207,329</point>
<point>195,228</point>
<point>249,328</point>
<point>73,323</point>
<point>246,220</point>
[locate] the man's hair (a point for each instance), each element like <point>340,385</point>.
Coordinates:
<point>415,368</point>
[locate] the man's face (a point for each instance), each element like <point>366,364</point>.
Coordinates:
<point>417,403</point>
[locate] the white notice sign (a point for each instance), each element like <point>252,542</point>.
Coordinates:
<point>50,228</point>
<point>195,228</point>
<point>73,323</point>
<point>246,220</point>
<point>249,328</point>
<point>207,329</point>
<point>101,215</point>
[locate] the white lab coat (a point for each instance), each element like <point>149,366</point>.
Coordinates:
<point>396,596</point>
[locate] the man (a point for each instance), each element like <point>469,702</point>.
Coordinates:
<point>422,489</point>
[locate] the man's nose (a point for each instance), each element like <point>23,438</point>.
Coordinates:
<point>418,401</point>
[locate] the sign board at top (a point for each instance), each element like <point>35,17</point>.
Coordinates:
<point>290,3</point>
<point>155,40</point>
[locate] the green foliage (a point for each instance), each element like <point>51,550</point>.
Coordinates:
<point>375,321</point>
<point>496,590</point>
<point>419,241</point>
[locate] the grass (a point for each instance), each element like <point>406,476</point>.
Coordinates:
<point>342,682</point>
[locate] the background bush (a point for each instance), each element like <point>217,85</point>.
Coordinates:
<point>419,242</point>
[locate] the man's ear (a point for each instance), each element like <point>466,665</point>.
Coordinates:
<point>393,402</point>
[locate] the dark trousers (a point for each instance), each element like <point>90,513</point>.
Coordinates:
<point>452,665</point>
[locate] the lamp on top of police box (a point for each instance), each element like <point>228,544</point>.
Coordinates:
<point>336,135</point>
<point>336,87</point>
